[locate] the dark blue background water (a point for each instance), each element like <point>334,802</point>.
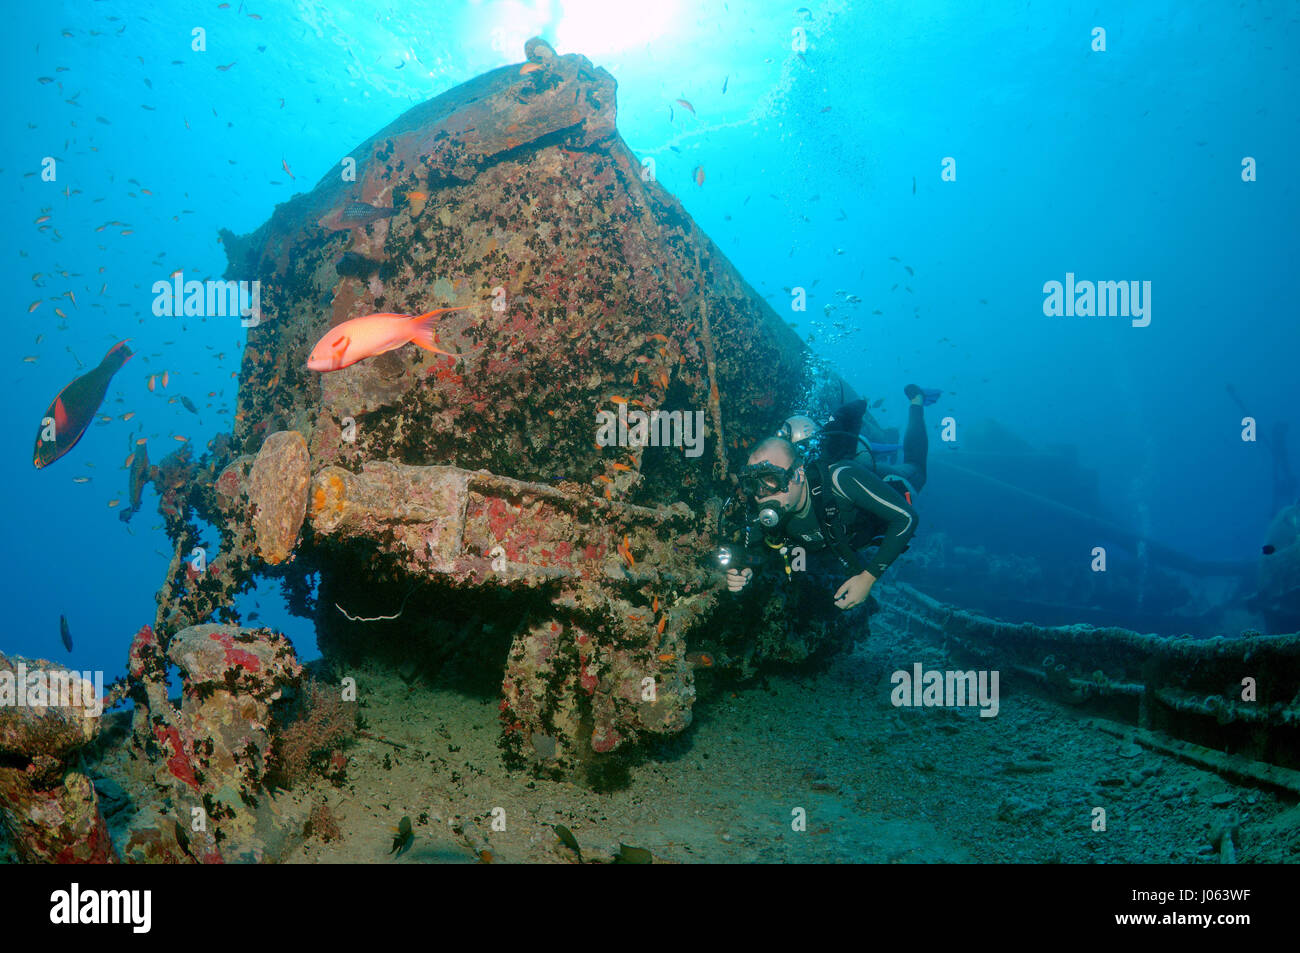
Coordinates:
<point>1118,165</point>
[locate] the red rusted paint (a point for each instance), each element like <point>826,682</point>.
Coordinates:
<point>179,762</point>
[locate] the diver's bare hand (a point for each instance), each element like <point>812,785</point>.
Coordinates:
<point>738,579</point>
<point>854,592</point>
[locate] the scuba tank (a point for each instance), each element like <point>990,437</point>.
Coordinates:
<point>840,438</point>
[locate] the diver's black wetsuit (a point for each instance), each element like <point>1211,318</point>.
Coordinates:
<point>840,440</point>
<point>869,507</point>
<point>916,447</point>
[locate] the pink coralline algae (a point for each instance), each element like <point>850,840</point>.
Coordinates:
<point>236,656</point>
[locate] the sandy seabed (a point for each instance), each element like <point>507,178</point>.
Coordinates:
<point>877,784</point>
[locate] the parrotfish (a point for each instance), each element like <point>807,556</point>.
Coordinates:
<point>75,407</point>
<point>355,340</point>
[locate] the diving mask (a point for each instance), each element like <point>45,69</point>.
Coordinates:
<point>765,479</point>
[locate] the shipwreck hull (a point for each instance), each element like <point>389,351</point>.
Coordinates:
<point>483,479</point>
<point>586,285</point>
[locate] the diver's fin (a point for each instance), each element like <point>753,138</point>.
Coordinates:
<point>928,394</point>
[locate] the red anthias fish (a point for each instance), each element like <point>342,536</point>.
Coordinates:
<point>355,340</point>
<point>74,409</point>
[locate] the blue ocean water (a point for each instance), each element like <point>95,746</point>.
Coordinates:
<point>988,148</point>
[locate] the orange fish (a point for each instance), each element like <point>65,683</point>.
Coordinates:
<point>178,437</point>
<point>622,467</point>
<point>153,379</point>
<point>113,503</point>
<point>33,306</point>
<point>667,657</point>
<point>659,337</point>
<point>285,163</point>
<point>698,175</point>
<point>660,627</point>
<point>164,379</point>
<point>655,607</point>
<point>687,106</point>
<point>619,400</point>
<point>360,338</point>
<point>145,192</point>
<point>529,68</point>
<point>128,416</point>
<point>43,218</point>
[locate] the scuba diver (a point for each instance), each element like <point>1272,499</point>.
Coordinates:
<point>842,504</point>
